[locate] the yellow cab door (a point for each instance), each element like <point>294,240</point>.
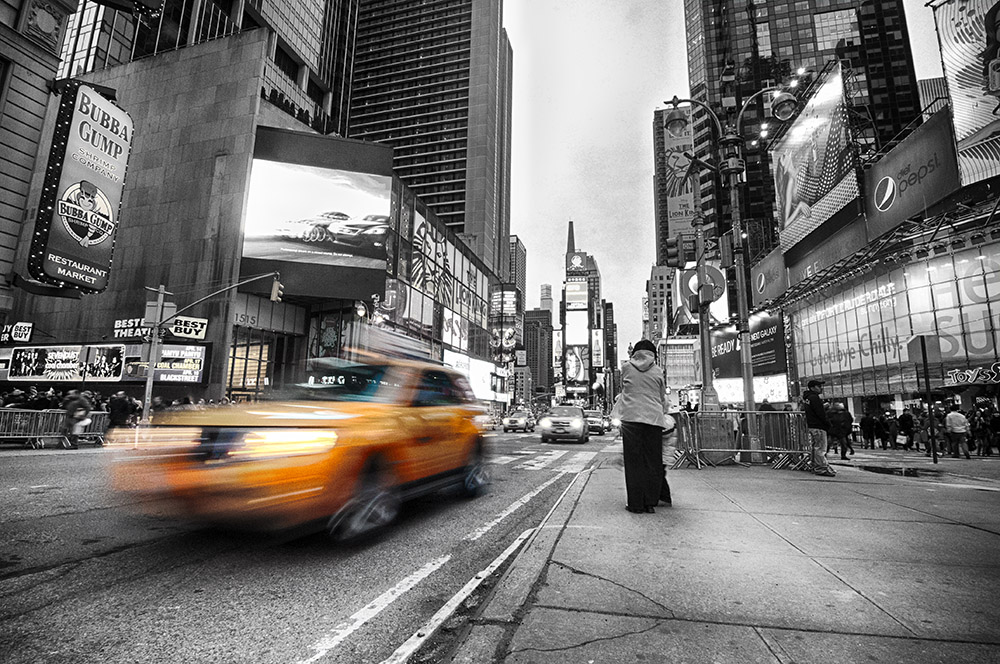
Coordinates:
<point>434,425</point>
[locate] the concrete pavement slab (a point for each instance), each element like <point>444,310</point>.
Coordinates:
<point>807,647</point>
<point>933,601</point>
<point>554,636</point>
<point>879,539</point>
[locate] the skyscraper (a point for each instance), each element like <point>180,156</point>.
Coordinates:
<point>736,49</point>
<point>518,264</point>
<point>433,80</point>
<point>538,346</point>
<point>546,297</point>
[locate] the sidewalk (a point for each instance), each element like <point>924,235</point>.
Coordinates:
<point>756,565</point>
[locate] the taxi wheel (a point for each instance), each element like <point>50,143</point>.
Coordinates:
<point>476,476</point>
<point>374,506</point>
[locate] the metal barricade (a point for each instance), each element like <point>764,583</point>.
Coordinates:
<point>35,427</point>
<point>713,438</point>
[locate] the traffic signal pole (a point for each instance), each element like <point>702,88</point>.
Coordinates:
<point>160,321</point>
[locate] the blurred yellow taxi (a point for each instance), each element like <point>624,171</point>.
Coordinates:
<point>339,452</point>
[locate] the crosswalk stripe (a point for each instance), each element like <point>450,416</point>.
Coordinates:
<point>577,463</point>
<point>501,460</point>
<point>542,460</point>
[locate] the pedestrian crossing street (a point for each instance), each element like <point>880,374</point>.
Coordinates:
<point>560,461</point>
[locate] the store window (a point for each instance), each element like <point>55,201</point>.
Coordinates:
<point>258,361</point>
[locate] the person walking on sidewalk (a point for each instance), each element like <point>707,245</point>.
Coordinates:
<point>957,426</point>
<point>840,428</point>
<point>818,426</point>
<point>640,408</point>
<point>867,431</point>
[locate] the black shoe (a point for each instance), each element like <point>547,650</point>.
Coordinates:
<point>635,510</point>
<point>649,510</point>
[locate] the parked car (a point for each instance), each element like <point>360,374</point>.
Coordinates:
<point>519,419</point>
<point>338,453</point>
<point>564,423</point>
<point>595,421</point>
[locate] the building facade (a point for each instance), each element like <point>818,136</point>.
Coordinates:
<point>434,81</point>
<point>736,49</point>
<point>538,348</point>
<point>31,34</point>
<point>517,272</point>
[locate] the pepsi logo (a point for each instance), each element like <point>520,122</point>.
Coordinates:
<point>885,194</point>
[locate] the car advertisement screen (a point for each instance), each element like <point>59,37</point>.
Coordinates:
<point>577,296</point>
<point>813,163</point>
<point>308,214</point>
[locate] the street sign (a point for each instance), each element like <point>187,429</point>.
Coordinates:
<point>149,319</point>
<point>689,282</point>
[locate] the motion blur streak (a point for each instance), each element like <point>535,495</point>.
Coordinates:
<point>345,629</point>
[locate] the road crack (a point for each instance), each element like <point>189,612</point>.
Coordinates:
<point>590,641</point>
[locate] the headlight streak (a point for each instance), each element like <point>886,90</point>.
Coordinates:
<point>283,442</point>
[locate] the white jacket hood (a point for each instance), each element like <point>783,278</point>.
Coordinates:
<point>642,360</point>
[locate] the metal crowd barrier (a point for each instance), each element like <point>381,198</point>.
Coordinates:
<point>35,427</point>
<point>713,438</point>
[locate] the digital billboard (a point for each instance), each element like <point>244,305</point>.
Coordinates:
<point>970,53</point>
<point>814,163</point>
<point>318,211</point>
<point>577,295</point>
<point>78,210</point>
<point>913,176</point>
<point>577,329</point>
<point>577,364</point>
<point>98,363</point>
<point>597,348</point>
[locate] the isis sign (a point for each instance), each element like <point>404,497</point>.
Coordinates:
<point>81,196</point>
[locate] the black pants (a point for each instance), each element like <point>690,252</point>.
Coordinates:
<point>641,446</point>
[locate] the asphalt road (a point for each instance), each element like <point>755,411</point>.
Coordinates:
<point>85,577</point>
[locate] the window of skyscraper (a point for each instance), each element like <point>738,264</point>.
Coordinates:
<point>764,38</point>
<point>831,27</point>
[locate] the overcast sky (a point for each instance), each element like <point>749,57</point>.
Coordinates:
<point>588,75</point>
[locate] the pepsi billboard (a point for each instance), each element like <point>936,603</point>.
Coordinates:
<point>913,176</point>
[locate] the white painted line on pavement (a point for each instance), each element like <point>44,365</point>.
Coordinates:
<point>542,460</point>
<point>485,528</point>
<point>614,447</point>
<point>412,644</point>
<point>501,460</point>
<point>376,606</point>
<point>577,463</point>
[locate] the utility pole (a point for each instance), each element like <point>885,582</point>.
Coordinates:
<point>154,351</point>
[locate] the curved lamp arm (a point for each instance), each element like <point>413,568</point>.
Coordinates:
<point>718,125</point>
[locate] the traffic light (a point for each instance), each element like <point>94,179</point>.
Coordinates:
<point>277,289</point>
<point>674,250</point>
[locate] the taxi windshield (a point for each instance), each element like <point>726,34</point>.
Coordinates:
<point>358,382</point>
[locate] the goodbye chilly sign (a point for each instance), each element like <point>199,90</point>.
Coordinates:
<point>78,211</point>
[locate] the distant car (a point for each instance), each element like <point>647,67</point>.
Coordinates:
<point>564,423</point>
<point>595,421</point>
<point>607,422</point>
<point>519,419</point>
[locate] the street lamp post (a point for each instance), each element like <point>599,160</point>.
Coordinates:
<point>732,165</point>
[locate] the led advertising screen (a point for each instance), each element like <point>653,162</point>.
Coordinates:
<point>577,330</point>
<point>577,364</point>
<point>597,347</point>
<point>98,363</point>
<point>576,295</point>
<point>970,53</point>
<point>814,164</point>
<point>317,211</point>
<point>307,214</point>
<point>78,210</point>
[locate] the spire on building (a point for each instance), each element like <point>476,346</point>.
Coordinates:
<point>570,240</point>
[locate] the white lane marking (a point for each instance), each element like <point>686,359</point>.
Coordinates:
<point>376,606</point>
<point>524,451</point>
<point>577,463</point>
<point>542,460</point>
<point>412,644</point>
<point>501,460</point>
<point>614,447</point>
<point>485,528</point>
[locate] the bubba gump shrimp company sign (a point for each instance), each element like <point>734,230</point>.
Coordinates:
<point>81,197</point>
